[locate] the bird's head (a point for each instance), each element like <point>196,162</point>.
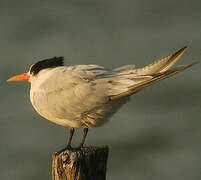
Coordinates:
<point>37,67</point>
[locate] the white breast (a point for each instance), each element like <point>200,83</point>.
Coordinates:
<point>68,100</point>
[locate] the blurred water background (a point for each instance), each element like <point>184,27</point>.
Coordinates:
<point>155,136</point>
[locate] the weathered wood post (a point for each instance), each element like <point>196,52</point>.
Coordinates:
<point>88,163</point>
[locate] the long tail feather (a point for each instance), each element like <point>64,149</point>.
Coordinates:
<point>163,64</point>
<point>156,78</point>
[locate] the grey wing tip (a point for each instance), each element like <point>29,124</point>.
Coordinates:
<point>194,63</point>
<point>188,65</point>
<point>184,48</point>
<point>181,51</point>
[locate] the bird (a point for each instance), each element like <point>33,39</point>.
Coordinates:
<point>86,96</point>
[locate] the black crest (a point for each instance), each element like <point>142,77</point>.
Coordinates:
<point>47,63</point>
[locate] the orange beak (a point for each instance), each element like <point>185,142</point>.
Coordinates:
<point>21,77</point>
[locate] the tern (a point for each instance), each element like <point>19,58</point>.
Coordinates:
<point>86,96</point>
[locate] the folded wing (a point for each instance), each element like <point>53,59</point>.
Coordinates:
<point>138,79</point>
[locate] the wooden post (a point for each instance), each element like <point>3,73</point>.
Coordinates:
<point>88,163</point>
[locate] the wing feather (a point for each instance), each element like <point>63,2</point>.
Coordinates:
<point>163,64</point>
<point>156,78</point>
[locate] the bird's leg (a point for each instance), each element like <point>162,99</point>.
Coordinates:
<point>83,137</point>
<point>70,137</point>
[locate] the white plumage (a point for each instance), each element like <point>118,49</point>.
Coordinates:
<point>85,96</point>
<point>79,96</point>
